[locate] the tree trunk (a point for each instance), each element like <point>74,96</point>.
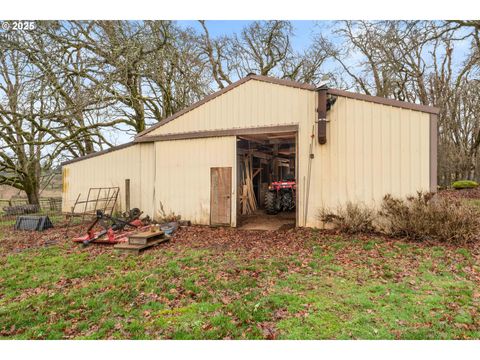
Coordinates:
<point>32,189</point>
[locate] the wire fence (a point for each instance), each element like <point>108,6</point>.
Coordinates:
<point>10,209</point>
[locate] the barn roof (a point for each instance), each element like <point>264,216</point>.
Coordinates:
<point>295,84</point>
<point>101,152</point>
<point>336,92</point>
<point>232,86</point>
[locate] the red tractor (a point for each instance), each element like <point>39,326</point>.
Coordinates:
<point>281,196</point>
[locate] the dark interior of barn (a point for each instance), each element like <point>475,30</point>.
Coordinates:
<point>266,162</point>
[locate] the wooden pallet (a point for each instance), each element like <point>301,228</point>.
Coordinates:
<point>143,238</point>
<point>141,241</point>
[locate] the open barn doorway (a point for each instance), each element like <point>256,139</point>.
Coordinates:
<point>266,181</point>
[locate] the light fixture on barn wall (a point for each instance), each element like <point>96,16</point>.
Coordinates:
<point>325,102</point>
<point>322,115</point>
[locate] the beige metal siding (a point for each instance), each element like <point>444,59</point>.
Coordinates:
<point>111,169</point>
<point>253,104</point>
<point>182,180</point>
<point>146,179</point>
<point>371,150</point>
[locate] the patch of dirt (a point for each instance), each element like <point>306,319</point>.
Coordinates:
<point>300,243</point>
<point>460,194</point>
<point>256,243</point>
<point>260,220</point>
<point>15,241</point>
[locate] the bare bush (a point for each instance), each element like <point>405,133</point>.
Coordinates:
<point>351,218</point>
<point>427,217</point>
<point>163,217</point>
<point>424,217</point>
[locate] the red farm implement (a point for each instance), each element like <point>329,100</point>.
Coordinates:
<point>112,229</point>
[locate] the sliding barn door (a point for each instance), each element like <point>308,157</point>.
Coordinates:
<point>220,195</point>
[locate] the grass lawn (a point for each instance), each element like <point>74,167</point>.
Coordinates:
<point>222,283</point>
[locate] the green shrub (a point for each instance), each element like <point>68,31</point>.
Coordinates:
<point>464,184</point>
<point>427,217</point>
<point>351,218</point>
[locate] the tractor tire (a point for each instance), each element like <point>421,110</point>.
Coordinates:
<point>288,202</point>
<point>271,202</point>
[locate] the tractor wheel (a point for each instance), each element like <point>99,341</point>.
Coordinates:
<point>271,205</point>
<point>288,202</point>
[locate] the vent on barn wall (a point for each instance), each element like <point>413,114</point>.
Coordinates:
<point>325,102</point>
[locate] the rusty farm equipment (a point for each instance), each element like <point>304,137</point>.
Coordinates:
<point>113,229</point>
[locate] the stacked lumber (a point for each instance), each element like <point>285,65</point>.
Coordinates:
<point>248,203</point>
<point>140,241</point>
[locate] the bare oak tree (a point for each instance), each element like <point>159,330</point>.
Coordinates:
<point>26,108</point>
<point>263,48</point>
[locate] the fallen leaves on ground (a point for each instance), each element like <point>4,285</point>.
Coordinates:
<point>233,255</point>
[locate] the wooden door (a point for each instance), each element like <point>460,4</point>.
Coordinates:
<point>220,195</point>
